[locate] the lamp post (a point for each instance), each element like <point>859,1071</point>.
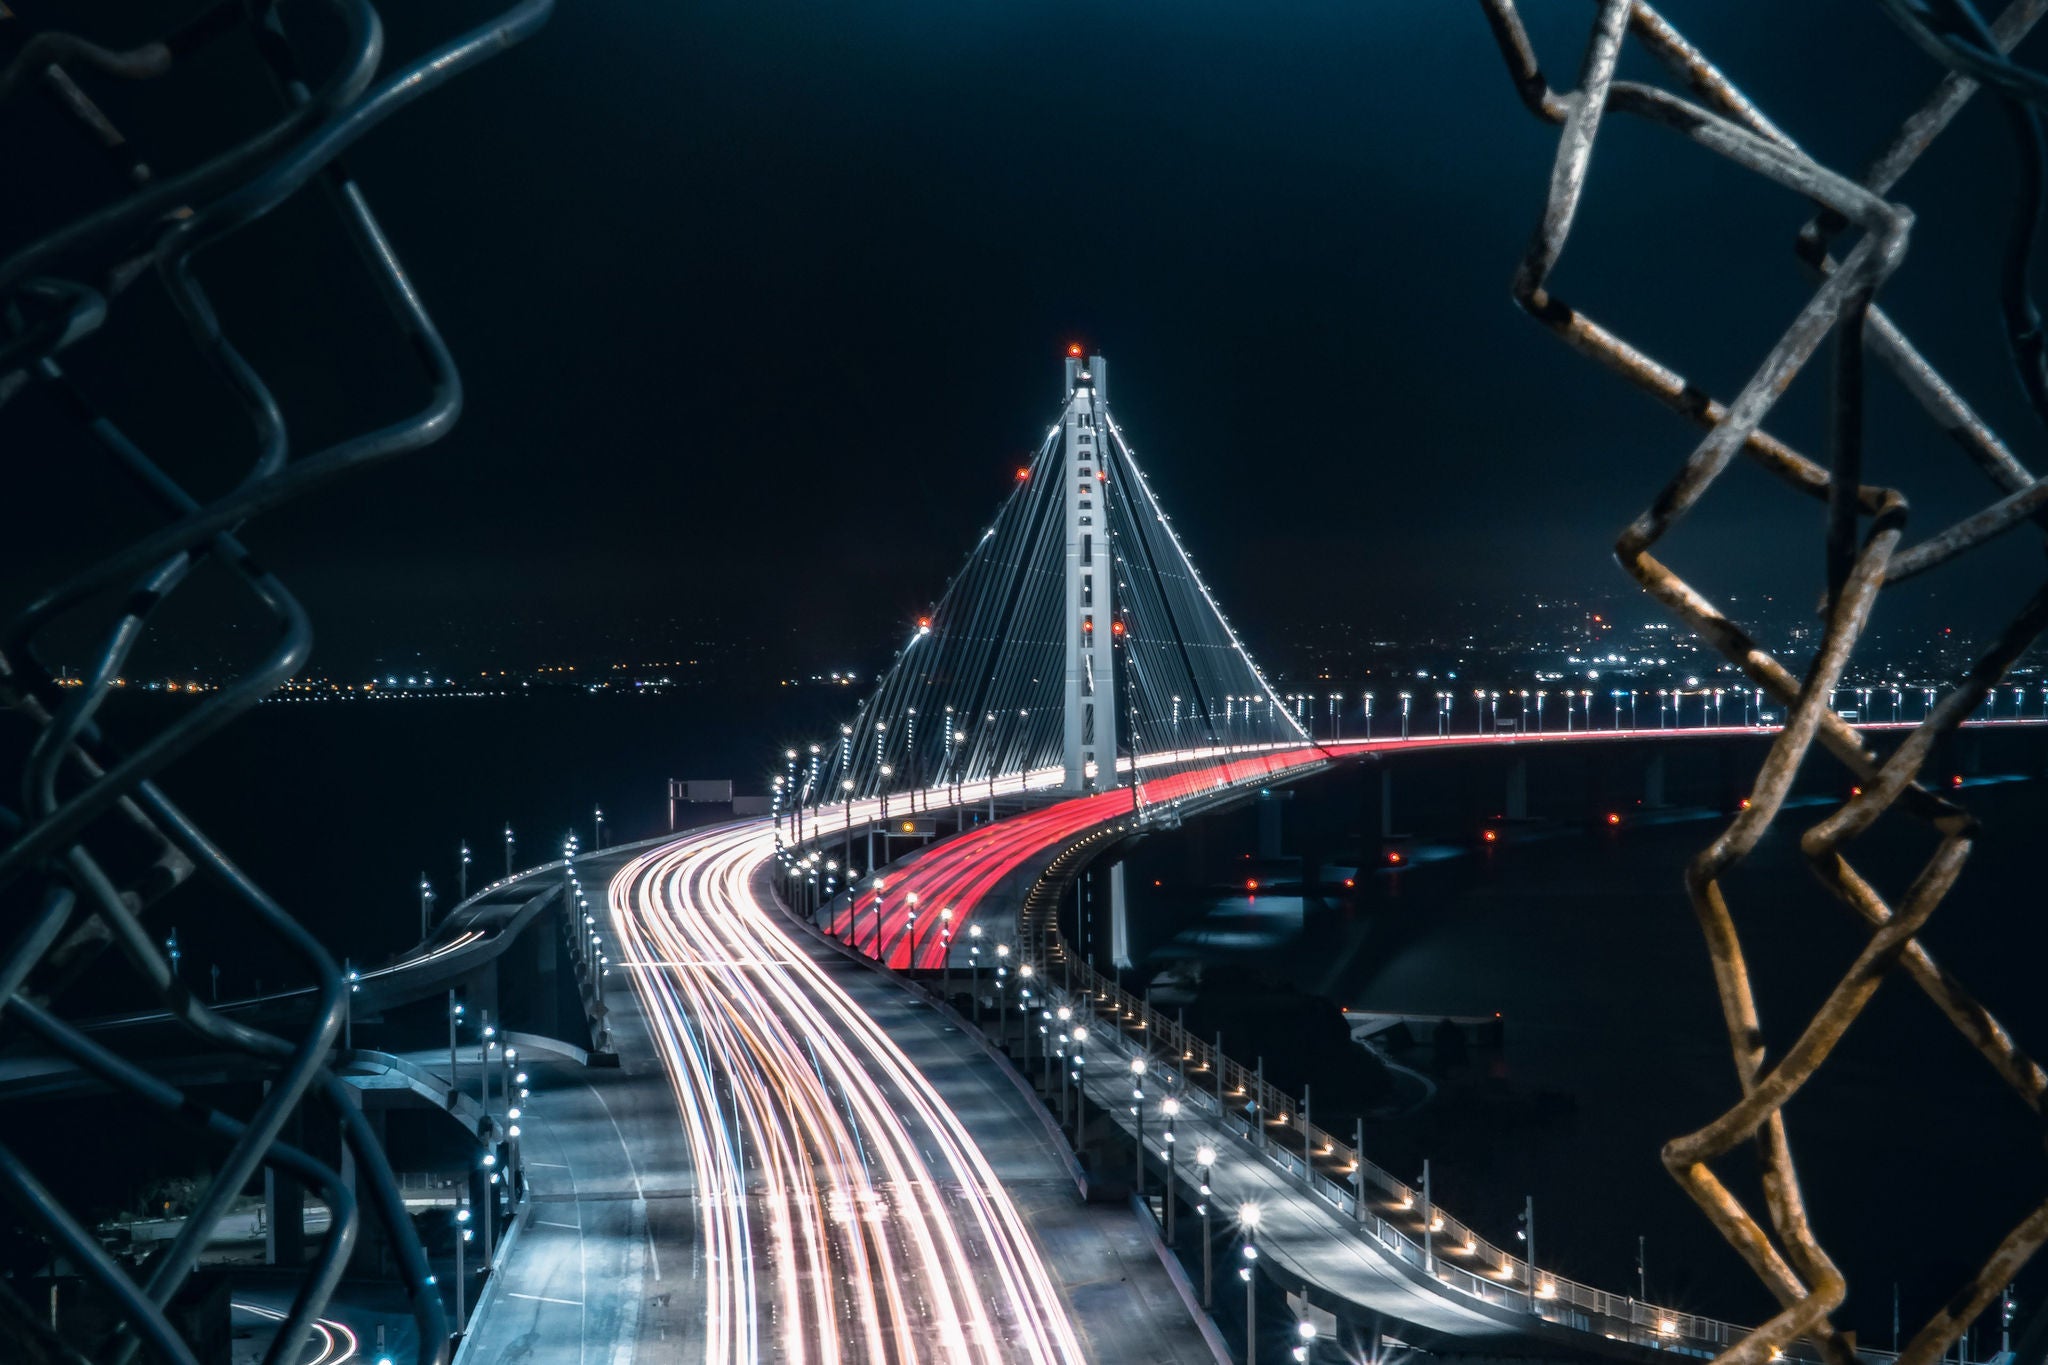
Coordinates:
<point>490,1164</point>
<point>1205,1157</point>
<point>1306,1331</point>
<point>1068,1035</point>
<point>426,901</point>
<point>597,829</point>
<point>509,843</point>
<point>1003,991</point>
<point>1368,715</point>
<point>1406,697</point>
<point>878,884</point>
<point>1080,1056</point>
<point>1024,974</point>
<point>462,875</point>
<point>461,1271</point>
<point>974,967</point>
<point>454,1013</point>
<point>1138,1108</point>
<point>1527,1232</point>
<point>1171,1108</point>
<point>1248,1218</point>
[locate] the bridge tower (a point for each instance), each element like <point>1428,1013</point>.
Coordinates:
<point>1089,753</point>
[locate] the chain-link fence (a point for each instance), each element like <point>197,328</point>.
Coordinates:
<point>1855,240</point>
<point>92,849</point>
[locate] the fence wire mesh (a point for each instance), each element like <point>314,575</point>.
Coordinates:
<point>93,847</point>
<point>1856,239</point>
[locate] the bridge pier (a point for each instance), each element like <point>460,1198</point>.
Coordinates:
<point>1516,804</point>
<point>1269,826</point>
<point>284,1202</point>
<point>1119,919</point>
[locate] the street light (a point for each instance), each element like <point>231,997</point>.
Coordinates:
<point>1248,1219</point>
<point>1306,1330</point>
<point>1205,1157</point>
<point>1171,1108</point>
<point>426,901</point>
<point>1138,1108</point>
<point>974,960</point>
<point>462,875</point>
<point>508,848</point>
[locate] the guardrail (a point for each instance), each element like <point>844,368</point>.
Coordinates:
<point>1408,1228</point>
<point>1435,1243</point>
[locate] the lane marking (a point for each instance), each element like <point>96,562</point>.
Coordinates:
<point>543,1298</point>
<point>633,1170</point>
<point>544,1223</point>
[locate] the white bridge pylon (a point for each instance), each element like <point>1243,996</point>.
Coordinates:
<point>1077,633</point>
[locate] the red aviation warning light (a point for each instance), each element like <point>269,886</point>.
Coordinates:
<point>1074,349</point>
<point>1023,473</point>
<point>1116,627</point>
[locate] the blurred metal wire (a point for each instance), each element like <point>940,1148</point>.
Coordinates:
<point>1865,526</point>
<point>81,798</point>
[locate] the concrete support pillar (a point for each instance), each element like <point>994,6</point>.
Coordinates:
<point>1516,806</point>
<point>284,1205</point>
<point>1119,920</point>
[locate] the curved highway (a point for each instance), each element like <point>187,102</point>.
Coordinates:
<point>846,1212</point>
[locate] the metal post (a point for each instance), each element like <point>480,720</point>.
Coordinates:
<point>461,1271</point>
<point>1529,1234</point>
<point>483,1057</point>
<point>1208,1274</point>
<point>454,1079</point>
<point>1171,1107</point>
<point>1251,1308</point>
<point>1308,1160</point>
<point>1358,1152</point>
<point>1216,1060</point>
<point>1429,1224</point>
<point>1138,1151</point>
<point>1258,1115</point>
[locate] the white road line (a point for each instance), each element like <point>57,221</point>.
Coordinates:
<point>542,1298</point>
<point>544,1223</point>
<point>633,1170</point>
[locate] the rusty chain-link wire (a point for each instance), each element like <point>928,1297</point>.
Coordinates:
<point>71,881</point>
<point>1865,526</point>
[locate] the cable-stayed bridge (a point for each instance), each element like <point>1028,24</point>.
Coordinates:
<point>1078,632</point>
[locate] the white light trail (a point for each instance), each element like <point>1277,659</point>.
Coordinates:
<point>873,1227</point>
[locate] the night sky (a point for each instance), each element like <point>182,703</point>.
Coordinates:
<point>759,303</point>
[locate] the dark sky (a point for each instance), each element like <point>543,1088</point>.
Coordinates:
<point>758,303</point>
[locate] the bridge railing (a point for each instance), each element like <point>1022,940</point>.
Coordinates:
<point>1333,1170</point>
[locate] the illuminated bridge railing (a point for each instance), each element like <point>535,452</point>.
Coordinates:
<point>1463,1261</point>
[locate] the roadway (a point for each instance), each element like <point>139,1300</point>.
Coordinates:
<point>798,1160</point>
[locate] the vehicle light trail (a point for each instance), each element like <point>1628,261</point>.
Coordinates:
<point>845,1210</point>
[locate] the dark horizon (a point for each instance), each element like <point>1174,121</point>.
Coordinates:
<point>757,309</point>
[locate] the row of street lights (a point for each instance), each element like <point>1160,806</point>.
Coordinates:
<point>464,857</point>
